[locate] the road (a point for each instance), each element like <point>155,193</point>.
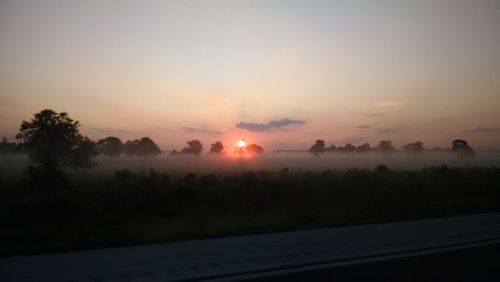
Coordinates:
<point>309,252</point>
<point>477,264</point>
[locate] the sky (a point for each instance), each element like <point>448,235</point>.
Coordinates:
<point>277,73</point>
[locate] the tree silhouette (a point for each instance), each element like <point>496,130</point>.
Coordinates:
<point>462,149</point>
<point>385,146</point>
<point>414,148</point>
<point>331,149</point>
<point>254,149</point>
<point>110,146</point>
<point>216,148</point>
<point>318,147</point>
<point>348,148</point>
<point>194,147</point>
<point>363,148</point>
<point>52,140</point>
<point>144,147</point>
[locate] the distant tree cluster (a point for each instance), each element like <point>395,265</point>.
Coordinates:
<point>110,146</point>
<point>461,147</point>
<point>254,149</point>
<point>52,141</point>
<point>216,148</point>
<point>144,147</point>
<point>194,147</point>
<point>385,146</point>
<point>113,147</point>
<point>414,148</point>
<point>318,147</point>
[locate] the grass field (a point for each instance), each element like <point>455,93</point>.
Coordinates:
<point>124,207</point>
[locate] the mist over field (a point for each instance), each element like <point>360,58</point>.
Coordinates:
<point>299,162</point>
<point>13,166</point>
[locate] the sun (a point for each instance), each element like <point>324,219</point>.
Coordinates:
<point>241,143</point>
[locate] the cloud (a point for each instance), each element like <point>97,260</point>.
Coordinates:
<point>485,130</point>
<point>273,124</point>
<point>389,103</point>
<point>187,129</point>
<point>365,126</point>
<point>387,130</point>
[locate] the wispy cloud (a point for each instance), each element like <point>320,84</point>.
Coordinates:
<point>388,103</point>
<point>485,130</point>
<point>365,126</point>
<point>187,129</point>
<point>273,124</point>
<point>387,130</point>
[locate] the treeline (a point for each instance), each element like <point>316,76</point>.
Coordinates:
<point>56,127</point>
<point>54,137</point>
<point>52,140</point>
<point>461,147</point>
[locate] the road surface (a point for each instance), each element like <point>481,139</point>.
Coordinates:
<point>260,256</point>
<point>477,264</point>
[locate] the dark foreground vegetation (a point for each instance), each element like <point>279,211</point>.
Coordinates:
<point>154,207</point>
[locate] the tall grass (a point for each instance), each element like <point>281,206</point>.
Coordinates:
<point>146,207</point>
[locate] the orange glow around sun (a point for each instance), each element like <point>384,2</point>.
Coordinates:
<point>241,143</point>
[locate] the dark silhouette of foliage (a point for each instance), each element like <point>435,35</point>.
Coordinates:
<point>318,147</point>
<point>209,180</point>
<point>254,149</point>
<point>144,147</point>
<point>194,147</point>
<point>53,139</point>
<point>331,149</point>
<point>462,149</point>
<point>127,178</point>
<point>381,168</point>
<point>131,207</point>
<point>414,148</point>
<point>110,146</point>
<point>348,148</point>
<point>6,147</point>
<point>216,148</point>
<point>82,152</point>
<point>385,146</point>
<point>47,177</point>
<point>363,148</point>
